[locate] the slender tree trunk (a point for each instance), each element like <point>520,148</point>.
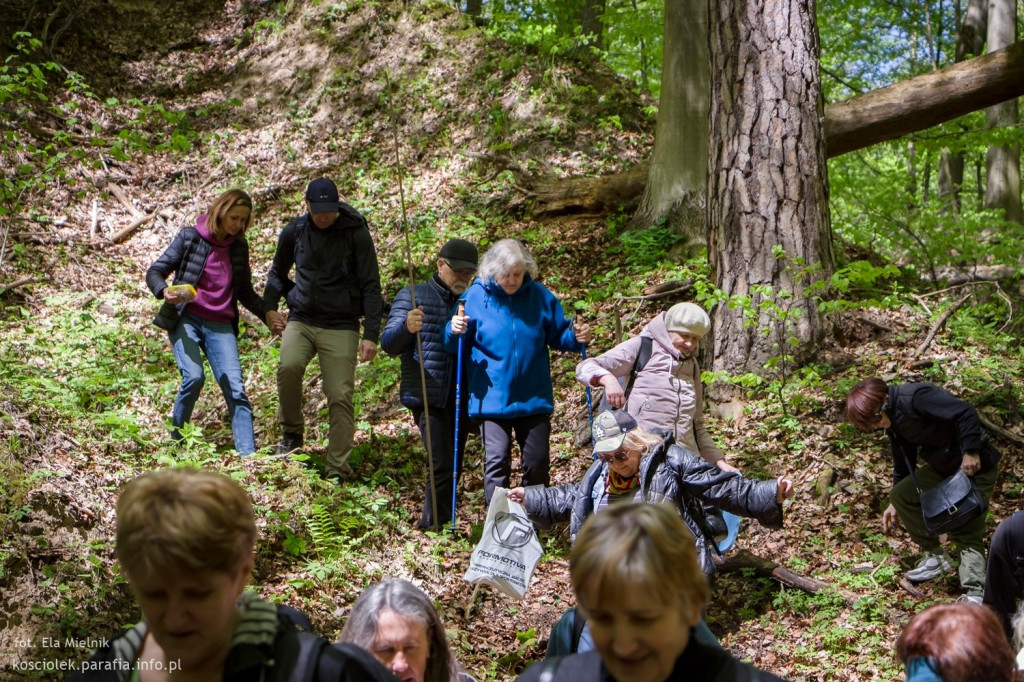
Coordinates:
<point>1002,187</point>
<point>767,180</point>
<point>970,40</point>
<point>679,164</point>
<point>474,8</point>
<point>592,23</point>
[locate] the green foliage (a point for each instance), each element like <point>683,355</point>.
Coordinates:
<point>631,37</point>
<point>645,248</point>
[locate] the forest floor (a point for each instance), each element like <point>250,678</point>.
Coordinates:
<point>87,382</point>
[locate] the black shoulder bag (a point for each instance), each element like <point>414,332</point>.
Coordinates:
<point>952,504</point>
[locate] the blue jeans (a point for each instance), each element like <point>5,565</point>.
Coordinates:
<point>217,341</point>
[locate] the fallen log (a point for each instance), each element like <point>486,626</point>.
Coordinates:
<point>884,114</point>
<point>743,559</point>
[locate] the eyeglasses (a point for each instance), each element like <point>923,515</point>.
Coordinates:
<point>463,272</point>
<point>607,457</point>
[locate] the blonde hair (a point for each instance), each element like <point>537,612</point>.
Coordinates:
<point>637,546</point>
<point>224,203</point>
<point>502,257</point>
<point>183,518</point>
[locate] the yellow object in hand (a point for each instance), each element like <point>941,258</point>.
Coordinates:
<point>186,291</point>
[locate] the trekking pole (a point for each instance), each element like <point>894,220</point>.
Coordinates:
<point>412,302</point>
<point>458,411</point>
<point>590,403</point>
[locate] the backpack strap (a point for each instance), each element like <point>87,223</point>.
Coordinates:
<point>642,358</point>
<point>308,661</point>
<point>579,621</point>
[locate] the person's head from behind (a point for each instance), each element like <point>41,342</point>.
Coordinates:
<point>397,623</point>
<point>865,403</point>
<point>323,202</point>
<point>636,577</point>
<point>620,442</point>
<point>961,642</point>
<point>185,541</point>
<point>687,324</point>
<point>506,264</point>
<point>456,264</point>
<point>230,214</point>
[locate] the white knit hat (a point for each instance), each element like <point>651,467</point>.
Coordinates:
<point>687,318</point>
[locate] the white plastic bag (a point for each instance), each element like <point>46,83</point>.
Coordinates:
<point>508,550</point>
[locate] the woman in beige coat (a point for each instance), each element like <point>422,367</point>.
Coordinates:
<point>667,392</point>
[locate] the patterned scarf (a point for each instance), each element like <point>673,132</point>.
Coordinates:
<point>617,485</point>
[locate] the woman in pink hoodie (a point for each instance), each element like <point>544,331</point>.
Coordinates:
<point>213,259</point>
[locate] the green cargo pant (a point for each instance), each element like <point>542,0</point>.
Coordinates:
<point>968,540</point>
<point>337,350</point>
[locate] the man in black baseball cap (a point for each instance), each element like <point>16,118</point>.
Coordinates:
<point>435,301</point>
<point>337,285</point>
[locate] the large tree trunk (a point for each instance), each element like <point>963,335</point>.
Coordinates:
<point>767,180</point>
<point>874,117</point>
<point>679,163</point>
<point>1002,186</point>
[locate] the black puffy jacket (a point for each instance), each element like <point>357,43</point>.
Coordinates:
<point>673,473</point>
<point>186,258</point>
<point>437,302</point>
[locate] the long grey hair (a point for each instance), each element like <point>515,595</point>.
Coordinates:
<point>407,601</point>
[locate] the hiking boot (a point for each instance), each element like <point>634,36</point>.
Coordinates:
<point>340,473</point>
<point>931,566</point>
<point>290,442</point>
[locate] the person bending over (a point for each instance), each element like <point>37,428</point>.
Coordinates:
<point>927,424</point>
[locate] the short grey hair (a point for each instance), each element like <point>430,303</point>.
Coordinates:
<point>502,257</point>
<point>409,602</point>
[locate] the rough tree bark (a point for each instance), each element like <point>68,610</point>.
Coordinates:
<point>970,40</point>
<point>767,179</point>
<point>1002,182</point>
<point>877,116</point>
<point>679,163</point>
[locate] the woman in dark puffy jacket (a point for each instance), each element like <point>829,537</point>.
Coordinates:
<point>212,257</point>
<point>636,465</point>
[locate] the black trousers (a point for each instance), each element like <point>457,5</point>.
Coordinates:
<point>532,434</point>
<point>442,449</point>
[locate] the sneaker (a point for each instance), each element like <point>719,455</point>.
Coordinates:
<point>969,598</point>
<point>290,442</point>
<point>931,566</point>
